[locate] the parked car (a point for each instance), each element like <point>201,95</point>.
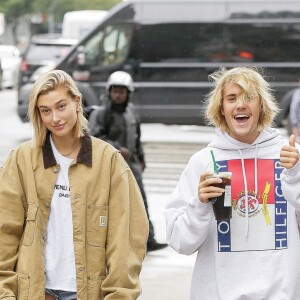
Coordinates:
<point>10,62</point>
<point>171,47</point>
<point>43,50</point>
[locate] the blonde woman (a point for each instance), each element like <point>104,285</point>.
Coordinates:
<point>253,251</point>
<point>72,220</point>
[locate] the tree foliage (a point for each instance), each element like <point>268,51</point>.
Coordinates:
<point>14,9</point>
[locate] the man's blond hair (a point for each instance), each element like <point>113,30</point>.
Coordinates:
<point>252,83</point>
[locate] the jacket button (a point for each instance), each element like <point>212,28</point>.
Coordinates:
<point>47,204</point>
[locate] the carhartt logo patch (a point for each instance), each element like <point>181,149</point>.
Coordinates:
<point>103,221</point>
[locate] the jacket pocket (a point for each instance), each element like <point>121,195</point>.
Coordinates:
<point>97,221</point>
<point>23,286</point>
<point>94,284</point>
<point>30,225</point>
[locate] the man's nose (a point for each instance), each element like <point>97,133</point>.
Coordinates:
<point>240,103</point>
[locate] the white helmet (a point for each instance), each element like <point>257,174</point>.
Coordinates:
<point>120,78</point>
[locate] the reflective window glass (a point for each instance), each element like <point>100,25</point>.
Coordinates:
<point>220,42</point>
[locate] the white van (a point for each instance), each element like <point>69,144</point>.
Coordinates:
<point>76,24</point>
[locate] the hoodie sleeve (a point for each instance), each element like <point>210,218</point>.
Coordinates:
<point>290,179</point>
<point>187,219</point>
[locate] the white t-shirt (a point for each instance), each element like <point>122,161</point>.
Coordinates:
<point>59,252</point>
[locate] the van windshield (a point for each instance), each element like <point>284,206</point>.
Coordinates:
<point>108,46</point>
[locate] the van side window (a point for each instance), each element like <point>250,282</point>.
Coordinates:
<point>184,42</point>
<point>280,42</point>
<point>220,42</point>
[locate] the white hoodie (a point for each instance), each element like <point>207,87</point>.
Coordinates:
<point>256,254</point>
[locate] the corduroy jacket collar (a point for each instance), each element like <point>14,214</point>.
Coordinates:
<point>84,156</point>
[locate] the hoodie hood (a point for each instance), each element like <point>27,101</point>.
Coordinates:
<point>266,139</point>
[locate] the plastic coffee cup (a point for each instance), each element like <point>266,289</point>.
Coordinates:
<point>222,204</point>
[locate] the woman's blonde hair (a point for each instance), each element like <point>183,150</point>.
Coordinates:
<point>252,84</point>
<point>48,82</point>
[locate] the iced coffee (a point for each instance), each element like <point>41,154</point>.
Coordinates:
<point>222,204</point>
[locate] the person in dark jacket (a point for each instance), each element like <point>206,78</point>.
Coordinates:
<point>295,114</point>
<point>117,123</point>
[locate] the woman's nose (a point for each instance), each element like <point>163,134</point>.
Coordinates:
<point>55,116</point>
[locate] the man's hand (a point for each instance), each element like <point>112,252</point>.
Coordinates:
<point>206,188</point>
<point>289,154</point>
<point>126,153</point>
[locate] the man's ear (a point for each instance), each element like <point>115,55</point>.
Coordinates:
<point>222,110</point>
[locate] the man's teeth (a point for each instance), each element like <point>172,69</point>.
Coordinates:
<point>241,116</point>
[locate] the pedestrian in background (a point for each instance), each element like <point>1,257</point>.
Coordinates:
<point>72,220</point>
<point>255,253</point>
<point>118,123</point>
<point>295,114</point>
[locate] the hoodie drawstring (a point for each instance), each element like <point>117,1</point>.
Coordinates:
<point>246,187</point>
<point>255,170</point>
<point>246,194</point>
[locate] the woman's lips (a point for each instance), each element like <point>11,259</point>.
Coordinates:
<point>59,127</point>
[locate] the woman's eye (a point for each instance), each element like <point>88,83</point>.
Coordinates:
<point>61,106</point>
<point>44,111</point>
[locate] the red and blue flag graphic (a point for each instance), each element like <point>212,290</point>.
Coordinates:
<point>267,208</point>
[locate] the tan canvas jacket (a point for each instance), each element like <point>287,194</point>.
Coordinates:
<point>110,225</point>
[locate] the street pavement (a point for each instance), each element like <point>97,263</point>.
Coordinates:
<point>166,275</point>
<point>12,130</point>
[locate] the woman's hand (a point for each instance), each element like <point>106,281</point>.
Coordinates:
<point>206,188</point>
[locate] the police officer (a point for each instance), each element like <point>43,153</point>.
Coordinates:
<point>117,123</point>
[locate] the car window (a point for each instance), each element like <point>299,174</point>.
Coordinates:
<point>116,44</point>
<point>220,42</point>
<point>280,41</point>
<point>109,46</point>
<point>92,49</point>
